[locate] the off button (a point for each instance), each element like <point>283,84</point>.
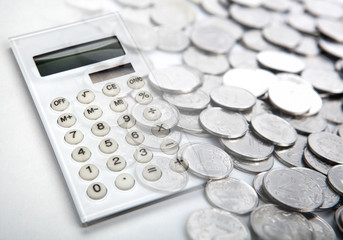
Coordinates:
<point>59,104</point>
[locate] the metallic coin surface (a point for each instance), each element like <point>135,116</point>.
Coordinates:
<point>308,125</point>
<point>321,229</point>
<point>270,222</point>
<point>214,7</point>
<point>253,166</point>
<point>302,22</point>
<point>231,194</point>
<point>293,190</point>
<point>331,28</point>
<point>324,80</point>
<point>195,100</point>
<point>189,122</point>
<point>222,123</point>
<point>332,110</point>
<point>240,57</point>
<point>210,82</point>
<point>315,163</point>
<point>282,35</point>
<point>339,218</point>
<point>332,48</point>
<point>254,40</point>
<point>307,47</point>
<point>259,108</point>
<point>324,8</point>
<point>172,40</point>
<point>335,179</point>
<point>216,224</point>
<point>292,156</point>
<point>250,17</point>
<point>257,184</point>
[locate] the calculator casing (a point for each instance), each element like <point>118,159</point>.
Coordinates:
<point>67,84</point>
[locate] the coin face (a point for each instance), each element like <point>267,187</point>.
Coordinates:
<point>172,40</point>
<point>195,100</point>
<point>250,17</point>
<point>282,35</point>
<point>321,229</point>
<point>335,178</point>
<point>293,190</point>
<point>214,223</point>
<point>308,125</point>
<point>314,162</point>
<point>270,222</point>
<point>253,166</point>
<point>292,156</point>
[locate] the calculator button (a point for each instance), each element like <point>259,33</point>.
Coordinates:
<point>134,137</point>
<point>143,97</point>
<point>152,113</point>
<point>108,145</point>
<point>73,137</point>
<point>124,182</point>
<point>59,104</point>
<point>81,154</point>
<point>135,82</point>
<point>66,120</point>
<point>143,155</point>
<point>118,105</point>
<point>89,172</point>
<point>160,130</point>
<point>152,173</point>
<point>96,191</point>
<point>178,165</point>
<point>85,96</point>
<point>116,163</point>
<point>111,89</point>
<point>92,112</point>
<point>126,121</point>
<point>100,129</point>
<point>169,146</point>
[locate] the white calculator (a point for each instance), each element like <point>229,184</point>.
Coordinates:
<point>112,134</point>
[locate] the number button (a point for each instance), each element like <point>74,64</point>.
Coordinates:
<point>143,97</point>
<point>111,89</point>
<point>152,113</point>
<point>89,172</point>
<point>126,121</point>
<point>85,96</point>
<point>134,137</point>
<point>73,137</point>
<point>59,104</point>
<point>118,105</point>
<point>92,112</point>
<point>152,173</point>
<point>100,129</point>
<point>81,154</point>
<point>124,182</point>
<point>160,130</point>
<point>116,163</point>
<point>108,145</point>
<point>96,191</point>
<point>143,155</point>
<point>169,146</point>
<point>135,82</point>
<point>66,120</point>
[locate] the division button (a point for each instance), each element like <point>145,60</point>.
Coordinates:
<point>135,82</point>
<point>100,129</point>
<point>59,104</point>
<point>81,154</point>
<point>124,182</point>
<point>118,105</point>
<point>92,112</point>
<point>89,172</point>
<point>73,137</point>
<point>116,163</point>
<point>152,173</point>
<point>96,191</point>
<point>143,155</point>
<point>85,96</point>
<point>111,89</point>
<point>152,113</point>
<point>108,145</point>
<point>66,120</point>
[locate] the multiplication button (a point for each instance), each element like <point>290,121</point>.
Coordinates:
<point>152,173</point>
<point>89,172</point>
<point>100,129</point>
<point>135,82</point>
<point>59,104</point>
<point>92,112</point>
<point>96,191</point>
<point>116,163</point>
<point>111,89</point>
<point>124,182</point>
<point>118,105</point>
<point>66,120</point>
<point>85,96</point>
<point>81,154</point>
<point>73,137</point>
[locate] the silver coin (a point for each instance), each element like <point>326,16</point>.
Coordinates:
<point>338,218</point>
<point>324,80</point>
<point>248,147</point>
<point>172,13</point>
<point>294,78</point>
<point>214,7</point>
<point>269,222</point>
<point>228,193</point>
<point>210,64</point>
<point>307,47</point>
<point>331,28</point>
<point>315,163</point>
<point>259,108</point>
<point>196,100</point>
<point>250,17</point>
<point>293,190</point>
<point>253,167</point>
<point>290,97</point>
<point>222,123</point>
<point>280,61</point>
<point>233,98</point>
<point>189,122</point>
<point>257,184</point>
<point>239,57</point>
<point>172,79</point>
<point>172,40</point>
<point>248,3</point>
<point>207,161</point>
<point>136,4</point>
<point>210,82</point>
<point>335,179</point>
<point>215,35</point>
<point>339,66</point>
<point>256,81</point>
<point>332,48</point>
<point>282,35</point>
<point>322,230</point>
<point>274,129</point>
<point>254,40</point>
<point>308,125</point>
<point>216,224</point>
<point>339,130</point>
<point>331,199</point>
<point>324,8</point>
<point>303,22</point>
<point>276,5</point>
<point>327,146</point>
<point>332,110</point>
<point>292,157</point>
<point>136,14</point>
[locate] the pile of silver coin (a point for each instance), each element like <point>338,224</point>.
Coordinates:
<point>263,79</point>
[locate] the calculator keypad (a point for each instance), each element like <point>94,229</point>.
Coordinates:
<point>66,120</point>
<point>89,172</point>
<point>59,104</point>
<point>81,154</point>
<point>116,163</point>
<point>111,89</point>
<point>124,182</point>
<point>73,137</point>
<point>85,96</point>
<point>100,129</point>
<point>92,112</point>
<point>96,191</point>
<point>108,146</point>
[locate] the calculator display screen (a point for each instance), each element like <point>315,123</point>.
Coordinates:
<point>78,55</point>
